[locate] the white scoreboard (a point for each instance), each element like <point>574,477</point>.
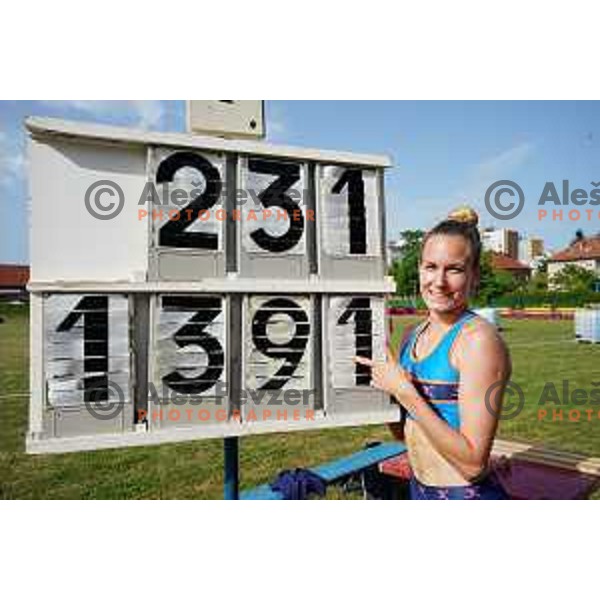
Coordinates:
<point>186,287</point>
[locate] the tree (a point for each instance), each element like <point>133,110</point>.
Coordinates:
<point>405,270</point>
<point>486,275</point>
<point>573,278</point>
<point>538,282</point>
<point>493,283</point>
<point>542,265</point>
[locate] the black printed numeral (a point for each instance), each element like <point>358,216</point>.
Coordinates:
<point>94,312</point>
<point>274,196</point>
<point>292,351</point>
<point>353,179</point>
<point>174,233</point>
<point>206,310</point>
<point>360,309</point>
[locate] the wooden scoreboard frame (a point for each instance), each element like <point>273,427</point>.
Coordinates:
<point>75,254</point>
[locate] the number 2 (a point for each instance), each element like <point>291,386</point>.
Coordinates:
<point>174,233</point>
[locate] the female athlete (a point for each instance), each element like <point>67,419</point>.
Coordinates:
<point>449,372</point>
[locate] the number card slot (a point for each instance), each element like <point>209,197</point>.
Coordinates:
<point>350,211</point>
<point>274,220</point>
<point>278,342</point>
<point>191,344</point>
<point>350,205</point>
<point>86,349</point>
<point>355,329</point>
<point>189,174</point>
<point>187,215</point>
<point>274,217</point>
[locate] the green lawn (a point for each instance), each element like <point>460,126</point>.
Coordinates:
<point>541,352</point>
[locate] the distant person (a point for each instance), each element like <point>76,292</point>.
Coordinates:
<point>443,370</point>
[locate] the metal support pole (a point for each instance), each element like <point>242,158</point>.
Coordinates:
<point>231,485</point>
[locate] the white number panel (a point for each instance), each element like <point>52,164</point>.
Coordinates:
<point>273,214</point>
<point>355,327</point>
<point>278,343</point>
<point>193,184</point>
<point>86,348</point>
<point>349,211</point>
<point>191,342</point>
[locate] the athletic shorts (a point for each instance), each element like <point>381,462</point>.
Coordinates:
<point>487,489</point>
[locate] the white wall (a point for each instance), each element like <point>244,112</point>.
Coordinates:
<point>555,267</point>
<point>67,242</point>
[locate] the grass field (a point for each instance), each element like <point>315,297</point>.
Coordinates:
<point>541,352</point>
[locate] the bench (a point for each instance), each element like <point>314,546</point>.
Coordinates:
<point>336,470</point>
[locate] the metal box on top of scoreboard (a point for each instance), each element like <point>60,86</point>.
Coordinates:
<point>228,118</point>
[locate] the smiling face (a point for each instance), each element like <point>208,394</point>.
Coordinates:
<point>446,273</point>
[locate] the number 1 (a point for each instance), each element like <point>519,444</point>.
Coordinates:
<point>353,179</point>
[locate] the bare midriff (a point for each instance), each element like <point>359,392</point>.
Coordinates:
<point>428,465</point>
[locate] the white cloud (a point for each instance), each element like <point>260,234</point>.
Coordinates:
<point>150,111</point>
<point>501,166</point>
<point>147,113</point>
<point>425,212</point>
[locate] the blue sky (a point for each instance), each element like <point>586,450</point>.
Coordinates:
<point>445,153</point>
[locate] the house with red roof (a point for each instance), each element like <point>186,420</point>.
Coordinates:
<point>504,262</point>
<point>582,252</point>
<point>13,279</point>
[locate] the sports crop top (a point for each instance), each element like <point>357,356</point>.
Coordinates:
<point>434,377</point>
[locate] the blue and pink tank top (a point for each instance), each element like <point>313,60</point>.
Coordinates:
<point>434,376</point>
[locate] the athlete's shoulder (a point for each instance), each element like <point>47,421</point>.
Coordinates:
<point>480,347</point>
<point>478,334</point>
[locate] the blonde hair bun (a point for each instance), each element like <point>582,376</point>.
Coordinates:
<point>465,215</point>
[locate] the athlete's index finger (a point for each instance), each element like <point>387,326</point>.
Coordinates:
<point>363,360</point>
